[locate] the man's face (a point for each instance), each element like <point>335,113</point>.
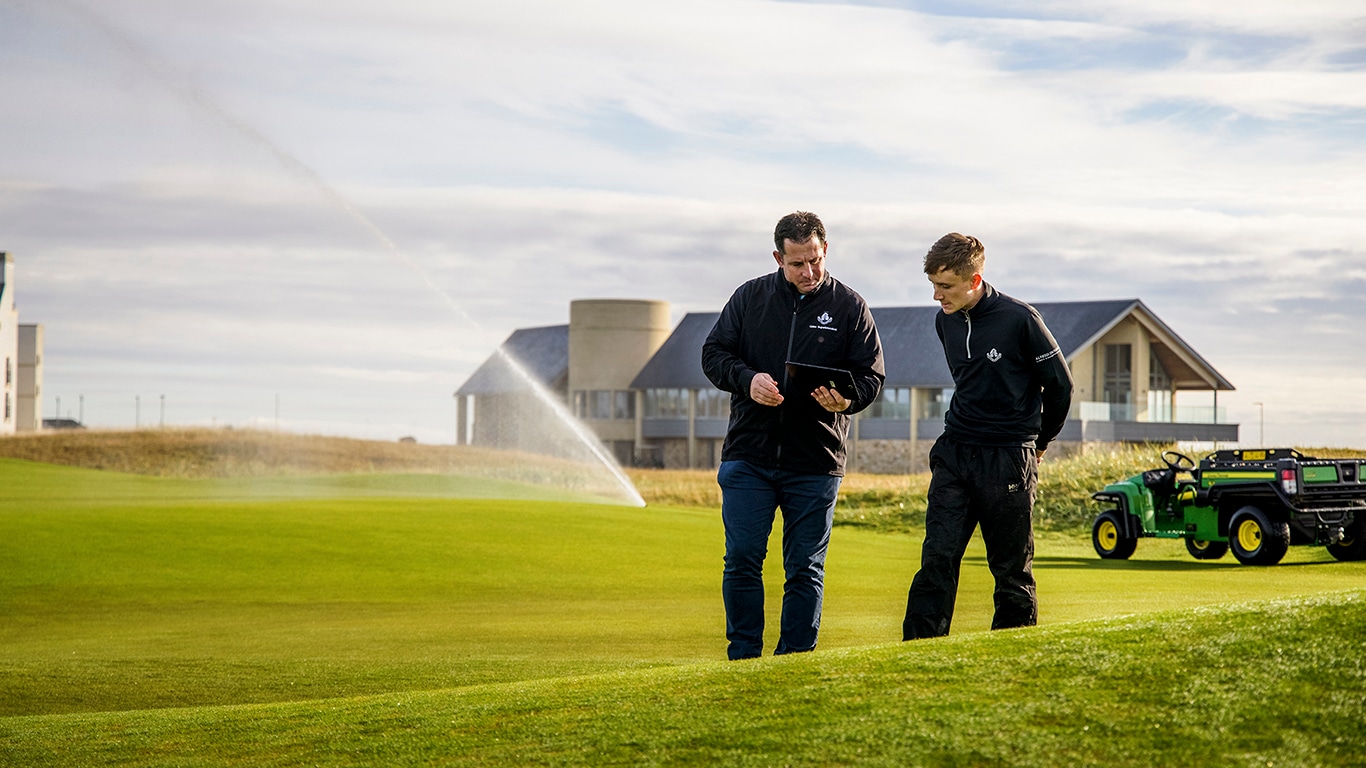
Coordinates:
<point>955,292</point>
<point>803,263</point>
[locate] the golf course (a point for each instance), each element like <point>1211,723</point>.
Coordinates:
<point>436,614</point>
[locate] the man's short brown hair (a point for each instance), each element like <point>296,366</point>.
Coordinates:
<point>964,255</point>
<point>798,227</point>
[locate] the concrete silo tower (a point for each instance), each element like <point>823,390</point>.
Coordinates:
<point>610,340</point>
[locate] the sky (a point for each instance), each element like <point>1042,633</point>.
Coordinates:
<point>322,216</point>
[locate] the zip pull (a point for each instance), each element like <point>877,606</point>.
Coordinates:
<point>967,317</point>
<point>792,331</point>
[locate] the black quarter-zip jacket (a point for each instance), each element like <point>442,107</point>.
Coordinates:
<point>766,323</point>
<point>1012,385</point>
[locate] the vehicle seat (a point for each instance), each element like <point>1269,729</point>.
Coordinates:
<point>1160,480</point>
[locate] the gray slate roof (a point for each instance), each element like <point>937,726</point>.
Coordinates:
<point>543,352</point>
<point>914,356</point>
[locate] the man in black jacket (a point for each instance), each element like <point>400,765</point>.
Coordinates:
<point>786,448</point>
<point>1012,393</point>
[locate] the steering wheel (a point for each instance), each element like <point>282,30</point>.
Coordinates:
<point>1178,462</point>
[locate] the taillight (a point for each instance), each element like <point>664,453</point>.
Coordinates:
<point>1288,482</point>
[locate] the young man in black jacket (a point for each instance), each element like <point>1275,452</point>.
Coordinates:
<point>786,448</point>
<point>1012,393</point>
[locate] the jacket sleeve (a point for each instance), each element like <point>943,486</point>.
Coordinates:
<point>721,351</point>
<point>865,361</point>
<point>1054,378</point>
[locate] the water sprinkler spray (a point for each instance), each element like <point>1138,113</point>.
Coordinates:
<point>156,70</point>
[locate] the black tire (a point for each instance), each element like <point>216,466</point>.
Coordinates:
<point>1255,539</point>
<point>1109,538</point>
<point>1353,545</point>
<point>1206,550</point>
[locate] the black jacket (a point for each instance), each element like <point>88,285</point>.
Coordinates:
<point>766,323</point>
<point>1012,383</point>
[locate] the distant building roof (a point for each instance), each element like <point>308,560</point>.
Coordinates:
<point>62,424</point>
<point>677,364</point>
<point>913,354</point>
<point>542,352</point>
<point>915,358</point>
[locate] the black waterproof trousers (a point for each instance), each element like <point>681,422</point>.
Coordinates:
<point>972,485</point>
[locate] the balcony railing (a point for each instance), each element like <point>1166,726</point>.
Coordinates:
<point>1183,414</point>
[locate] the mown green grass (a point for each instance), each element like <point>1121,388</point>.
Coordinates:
<point>1276,683</point>
<point>127,592</point>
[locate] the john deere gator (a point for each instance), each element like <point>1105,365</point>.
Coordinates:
<point>1256,502</point>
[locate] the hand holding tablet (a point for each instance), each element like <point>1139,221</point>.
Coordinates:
<point>833,388</point>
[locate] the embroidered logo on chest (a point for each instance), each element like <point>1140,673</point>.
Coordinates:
<point>993,355</point>
<point>823,323</point>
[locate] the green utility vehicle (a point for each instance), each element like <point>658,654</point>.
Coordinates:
<point>1256,503</point>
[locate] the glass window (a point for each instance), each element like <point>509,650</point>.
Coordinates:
<point>623,404</point>
<point>1157,375</point>
<point>661,403</point>
<point>1119,387</point>
<point>713,404</point>
<point>935,403</point>
<point>600,404</point>
<point>673,403</point>
<point>891,403</point>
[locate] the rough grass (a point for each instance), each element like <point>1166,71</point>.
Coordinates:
<point>877,502</point>
<point>236,454</point>
<point>897,502</point>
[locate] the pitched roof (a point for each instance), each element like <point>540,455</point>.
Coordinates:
<point>678,361</point>
<point>914,356</point>
<point>918,359</point>
<point>914,359</point>
<point>543,352</point>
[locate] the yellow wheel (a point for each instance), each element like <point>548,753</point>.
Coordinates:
<point>1255,539</point>
<point>1249,535</point>
<point>1107,534</point>
<point>1352,546</point>
<point>1109,538</point>
<point>1205,550</point>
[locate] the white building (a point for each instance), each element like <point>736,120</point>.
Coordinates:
<point>21,350</point>
<point>9,347</point>
<point>30,384</point>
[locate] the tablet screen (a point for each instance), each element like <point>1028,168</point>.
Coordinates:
<point>805,378</point>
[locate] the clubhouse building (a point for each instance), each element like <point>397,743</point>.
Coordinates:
<point>638,385</point>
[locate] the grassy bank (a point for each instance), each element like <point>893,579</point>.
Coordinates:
<point>1265,684</point>
<point>876,502</point>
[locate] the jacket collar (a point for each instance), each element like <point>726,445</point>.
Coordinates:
<point>984,305</point>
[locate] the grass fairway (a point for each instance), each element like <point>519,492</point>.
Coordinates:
<point>1265,684</point>
<point>355,620</point>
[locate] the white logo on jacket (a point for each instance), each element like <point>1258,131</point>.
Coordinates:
<point>823,322</point>
<point>993,355</point>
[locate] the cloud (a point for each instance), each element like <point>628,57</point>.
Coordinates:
<point>353,204</point>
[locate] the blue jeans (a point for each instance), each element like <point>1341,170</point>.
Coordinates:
<point>750,496</point>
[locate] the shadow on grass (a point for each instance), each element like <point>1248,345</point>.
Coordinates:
<point>1153,565</point>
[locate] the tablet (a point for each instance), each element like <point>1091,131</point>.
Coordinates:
<point>806,378</point>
